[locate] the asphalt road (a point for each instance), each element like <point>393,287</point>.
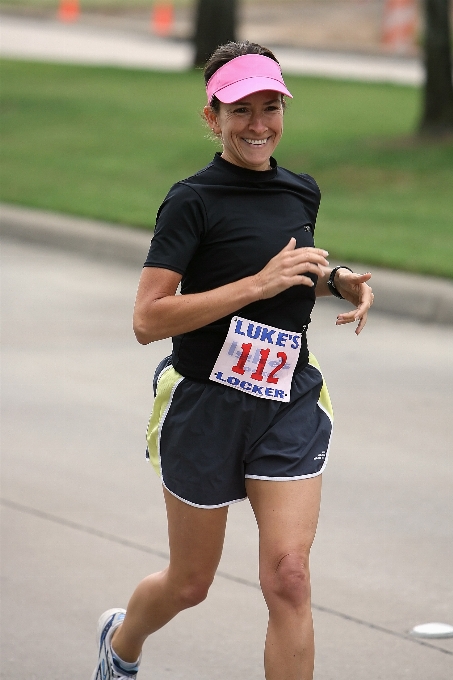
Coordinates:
<point>83,517</point>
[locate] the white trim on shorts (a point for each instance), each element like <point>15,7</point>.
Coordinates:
<point>313,474</point>
<point>205,507</point>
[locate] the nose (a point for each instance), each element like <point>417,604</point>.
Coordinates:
<point>257,123</point>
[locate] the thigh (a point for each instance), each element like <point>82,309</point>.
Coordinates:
<point>287,516</point>
<point>196,537</point>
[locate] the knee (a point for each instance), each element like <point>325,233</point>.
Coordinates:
<point>192,591</point>
<point>288,582</point>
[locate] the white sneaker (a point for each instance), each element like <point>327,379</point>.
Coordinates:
<point>106,668</point>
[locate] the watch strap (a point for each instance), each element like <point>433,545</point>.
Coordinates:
<point>331,281</point>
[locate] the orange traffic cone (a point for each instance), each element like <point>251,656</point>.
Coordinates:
<point>68,10</point>
<point>162,19</point>
<point>400,25</point>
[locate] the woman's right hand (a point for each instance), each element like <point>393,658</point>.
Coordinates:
<point>288,268</point>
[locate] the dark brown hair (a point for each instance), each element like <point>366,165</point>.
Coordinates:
<point>226,53</point>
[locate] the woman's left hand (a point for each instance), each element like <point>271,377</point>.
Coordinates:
<point>355,289</point>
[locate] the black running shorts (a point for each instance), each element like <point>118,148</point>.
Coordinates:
<point>204,439</point>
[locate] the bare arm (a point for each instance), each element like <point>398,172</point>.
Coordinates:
<point>160,313</point>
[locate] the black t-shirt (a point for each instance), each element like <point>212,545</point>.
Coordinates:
<point>225,223</point>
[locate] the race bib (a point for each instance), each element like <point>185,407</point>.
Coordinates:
<point>258,359</point>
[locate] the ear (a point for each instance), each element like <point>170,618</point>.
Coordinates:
<point>211,119</point>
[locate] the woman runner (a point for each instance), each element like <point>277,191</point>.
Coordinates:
<point>241,410</point>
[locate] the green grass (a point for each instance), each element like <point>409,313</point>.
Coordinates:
<point>108,143</point>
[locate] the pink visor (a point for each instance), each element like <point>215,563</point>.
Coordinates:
<point>245,75</point>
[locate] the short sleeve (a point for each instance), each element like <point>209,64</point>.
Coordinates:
<point>180,226</point>
<point>313,198</point>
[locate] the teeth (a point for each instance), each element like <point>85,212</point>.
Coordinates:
<point>256,142</point>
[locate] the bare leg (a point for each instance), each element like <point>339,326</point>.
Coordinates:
<point>196,538</point>
<point>287,516</point>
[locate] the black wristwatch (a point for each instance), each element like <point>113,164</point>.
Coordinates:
<point>330,281</point>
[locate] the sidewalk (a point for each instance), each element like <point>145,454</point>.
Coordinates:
<point>421,298</point>
<point>81,43</point>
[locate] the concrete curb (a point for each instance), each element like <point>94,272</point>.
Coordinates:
<point>422,298</point>
<point>97,240</point>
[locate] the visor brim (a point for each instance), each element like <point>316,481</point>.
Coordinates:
<point>243,88</point>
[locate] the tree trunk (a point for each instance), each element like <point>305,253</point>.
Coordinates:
<point>437,115</point>
<point>215,25</point>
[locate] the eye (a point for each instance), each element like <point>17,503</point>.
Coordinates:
<point>240,109</point>
<point>273,107</point>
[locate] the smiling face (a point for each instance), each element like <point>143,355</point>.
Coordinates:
<point>250,128</point>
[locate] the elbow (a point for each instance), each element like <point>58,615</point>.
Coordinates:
<point>146,332</point>
<point>144,335</point>
<point>141,337</point>
<point>142,331</point>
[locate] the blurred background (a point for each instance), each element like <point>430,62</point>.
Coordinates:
<point>359,25</point>
<point>372,117</point>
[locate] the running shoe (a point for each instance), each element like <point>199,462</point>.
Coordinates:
<point>106,668</point>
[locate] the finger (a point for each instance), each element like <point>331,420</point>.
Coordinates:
<point>362,278</point>
<point>363,307</point>
<point>319,251</point>
<point>354,315</point>
<point>302,259</point>
<point>314,253</point>
<point>294,276</point>
<point>362,323</point>
<point>347,317</point>
<point>310,253</point>
<point>304,268</point>
<point>291,245</point>
<point>356,285</point>
<point>300,279</point>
